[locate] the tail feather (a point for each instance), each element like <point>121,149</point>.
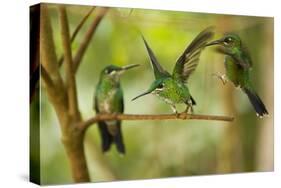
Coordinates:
<point>256,102</point>
<point>118,140</point>
<point>192,100</point>
<point>107,138</point>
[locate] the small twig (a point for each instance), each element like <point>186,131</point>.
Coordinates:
<point>81,24</point>
<point>88,36</point>
<point>77,29</point>
<point>182,116</point>
<point>70,77</point>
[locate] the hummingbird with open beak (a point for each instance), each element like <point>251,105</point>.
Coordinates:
<point>238,65</point>
<point>172,88</point>
<point>109,99</point>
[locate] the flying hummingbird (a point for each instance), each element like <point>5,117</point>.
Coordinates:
<point>172,88</point>
<point>238,65</point>
<point>109,99</point>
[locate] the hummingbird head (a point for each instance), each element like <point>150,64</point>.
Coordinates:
<point>229,41</point>
<point>157,87</point>
<point>114,72</point>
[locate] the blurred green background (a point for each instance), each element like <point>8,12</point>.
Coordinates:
<point>165,148</point>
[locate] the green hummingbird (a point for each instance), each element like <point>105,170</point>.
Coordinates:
<point>238,65</point>
<point>172,88</point>
<point>109,99</point>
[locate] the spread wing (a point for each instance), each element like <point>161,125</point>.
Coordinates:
<point>189,60</point>
<point>157,68</point>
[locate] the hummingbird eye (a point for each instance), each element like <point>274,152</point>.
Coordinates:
<point>160,86</point>
<point>228,40</point>
<point>108,71</point>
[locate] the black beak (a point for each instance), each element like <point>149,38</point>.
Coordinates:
<point>214,43</point>
<point>145,93</point>
<point>127,67</point>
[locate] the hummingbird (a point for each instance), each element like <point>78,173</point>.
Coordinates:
<point>238,65</point>
<point>172,88</point>
<point>109,99</point>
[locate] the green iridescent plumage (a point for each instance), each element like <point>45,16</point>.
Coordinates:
<point>109,99</point>
<point>238,65</point>
<point>172,87</point>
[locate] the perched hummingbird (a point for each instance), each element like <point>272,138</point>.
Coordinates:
<point>172,88</point>
<point>238,65</point>
<point>109,99</point>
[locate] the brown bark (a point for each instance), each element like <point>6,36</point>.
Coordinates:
<point>55,88</point>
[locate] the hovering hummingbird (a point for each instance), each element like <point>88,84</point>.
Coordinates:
<point>109,99</point>
<point>238,65</point>
<point>172,87</point>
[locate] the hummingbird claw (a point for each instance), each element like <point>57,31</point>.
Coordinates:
<point>175,111</point>
<point>187,109</point>
<point>222,77</point>
<point>191,109</point>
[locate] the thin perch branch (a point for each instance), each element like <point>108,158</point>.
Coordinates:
<point>77,29</point>
<point>88,36</point>
<point>183,116</point>
<point>70,77</point>
<point>81,24</point>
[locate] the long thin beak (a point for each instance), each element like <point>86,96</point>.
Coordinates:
<point>145,93</point>
<point>214,43</point>
<point>127,67</point>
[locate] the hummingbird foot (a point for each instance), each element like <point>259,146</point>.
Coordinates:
<point>187,109</point>
<point>222,77</point>
<point>175,111</point>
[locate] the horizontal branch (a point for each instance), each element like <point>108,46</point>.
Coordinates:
<point>181,116</point>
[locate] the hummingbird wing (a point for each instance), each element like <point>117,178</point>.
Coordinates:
<point>243,60</point>
<point>189,60</point>
<point>159,72</point>
<point>106,131</point>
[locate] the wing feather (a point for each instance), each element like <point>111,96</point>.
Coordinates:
<point>157,68</point>
<point>189,60</point>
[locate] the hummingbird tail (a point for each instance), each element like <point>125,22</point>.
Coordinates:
<point>118,140</point>
<point>192,100</point>
<point>256,102</point>
<point>108,139</point>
